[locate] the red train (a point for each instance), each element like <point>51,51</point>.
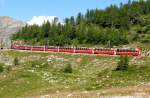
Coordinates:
<point>110,51</point>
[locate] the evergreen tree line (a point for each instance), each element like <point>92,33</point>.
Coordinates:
<point>96,26</point>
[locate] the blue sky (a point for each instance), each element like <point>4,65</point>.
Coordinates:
<point>25,9</point>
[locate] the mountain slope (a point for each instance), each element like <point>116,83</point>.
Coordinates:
<point>124,24</point>
<point>8,26</point>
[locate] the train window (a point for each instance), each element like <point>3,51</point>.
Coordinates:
<point>37,47</point>
<point>127,50</point>
<point>117,50</point>
<point>51,47</point>
<point>120,50</point>
<point>130,50</point>
<point>133,50</point>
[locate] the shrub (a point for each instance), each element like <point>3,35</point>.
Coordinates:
<point>8,68</point>
<point>145,41</point>
<point>68,69</point>
<point>1,68</point>
<point>123,63</point>
<point>16,61</point>
<point>136,37</point>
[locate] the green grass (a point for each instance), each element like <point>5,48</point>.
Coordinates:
<point>35,76</point>
<point>134,76</point>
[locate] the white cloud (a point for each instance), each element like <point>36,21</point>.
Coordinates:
<point>39,20</point>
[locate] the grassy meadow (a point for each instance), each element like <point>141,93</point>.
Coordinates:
<point>38,73</point>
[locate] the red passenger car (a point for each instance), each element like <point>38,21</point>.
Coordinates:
<point>109,51</point>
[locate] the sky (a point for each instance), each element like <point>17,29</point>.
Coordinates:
<point>25,9</point>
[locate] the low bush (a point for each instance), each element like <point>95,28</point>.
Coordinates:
<point>123,63</point>
<point>16,61</point>
<point>68,68</point>
<point>1,68</point>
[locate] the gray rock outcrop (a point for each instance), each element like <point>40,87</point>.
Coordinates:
<point>8,26</point>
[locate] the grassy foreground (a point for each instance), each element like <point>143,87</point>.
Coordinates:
<point>42,73</point>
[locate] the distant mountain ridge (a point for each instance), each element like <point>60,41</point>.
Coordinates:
<point>8,26</point>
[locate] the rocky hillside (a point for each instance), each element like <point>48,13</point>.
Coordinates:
<point>8,26</point>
